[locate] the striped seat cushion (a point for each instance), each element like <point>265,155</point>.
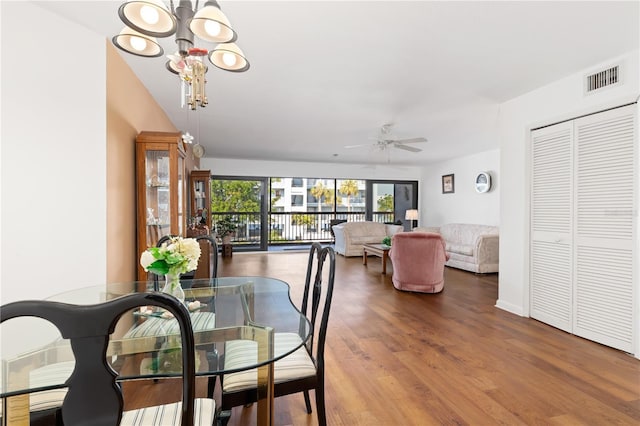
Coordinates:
<point>169,414</point>
<point>52,374</point>
<point>240,353</point>
<point>41,401</point>
<point>154,326</point>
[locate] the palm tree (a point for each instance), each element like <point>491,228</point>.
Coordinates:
<point>349,188</point>
<point>320,191</point>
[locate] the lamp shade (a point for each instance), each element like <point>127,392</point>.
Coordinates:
<point>138,44</point>
<point>229,57</point>
<point>210,24</point>
<point>149,17</point>
<point>411,215</point>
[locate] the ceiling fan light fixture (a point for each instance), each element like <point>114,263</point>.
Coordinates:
<point>149,17</point>
<point>136,43</point>
<point>211,24</point>
<point>229,57</point>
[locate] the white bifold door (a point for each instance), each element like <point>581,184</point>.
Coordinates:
<point>583,226</point>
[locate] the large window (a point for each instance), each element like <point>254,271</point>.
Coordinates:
<point>300,209</point>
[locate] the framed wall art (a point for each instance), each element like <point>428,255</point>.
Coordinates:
<point>448,184</point>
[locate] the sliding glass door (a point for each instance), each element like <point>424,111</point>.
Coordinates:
<point>390,200</point>
<point>243,201</point>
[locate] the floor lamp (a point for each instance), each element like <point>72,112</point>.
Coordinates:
<point>411,215</point>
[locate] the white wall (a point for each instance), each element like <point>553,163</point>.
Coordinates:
<point>53,155</point>
<point>465,205</point>
<point>559,101</point>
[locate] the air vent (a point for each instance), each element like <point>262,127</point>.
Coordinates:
<point>602,79</point>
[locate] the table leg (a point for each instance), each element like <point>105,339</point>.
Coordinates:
<point>15,409</point>
<point>266,397</point>
<point>265,378</point>
<point>384,262</point>
<point>364,256</point>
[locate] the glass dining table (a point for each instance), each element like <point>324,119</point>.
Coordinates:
<point>145,344</point>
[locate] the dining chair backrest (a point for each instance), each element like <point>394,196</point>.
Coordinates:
<point>213,254</point>
<point>313,296</point>
<point>94,397</point>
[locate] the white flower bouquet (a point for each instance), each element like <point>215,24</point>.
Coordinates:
<point>176,256</point>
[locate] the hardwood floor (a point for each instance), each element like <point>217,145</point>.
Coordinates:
<point>397,358</point>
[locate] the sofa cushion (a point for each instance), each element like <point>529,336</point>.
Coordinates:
<point>465,233</point>
<point>370,239</point>
<point>365,229</point>
<point>464,249</point>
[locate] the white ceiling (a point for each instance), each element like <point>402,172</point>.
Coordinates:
<point>325,74</point>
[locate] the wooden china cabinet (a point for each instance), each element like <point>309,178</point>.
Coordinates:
<point>161,188</point>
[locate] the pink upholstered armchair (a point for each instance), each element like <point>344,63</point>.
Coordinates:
<point>418,261</point>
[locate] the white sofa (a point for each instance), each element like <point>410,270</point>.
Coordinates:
<point>351,236</point>
<point>470,247</point>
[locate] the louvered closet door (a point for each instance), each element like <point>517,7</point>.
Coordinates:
<point>605,182</point>
<point>551,224</point>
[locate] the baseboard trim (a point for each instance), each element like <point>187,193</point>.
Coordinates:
<point>510,307</point>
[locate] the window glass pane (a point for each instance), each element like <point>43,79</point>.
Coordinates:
<point>320,195</point>
<point>351,198</point>
<point>236,201</point>
<point>383,202</point>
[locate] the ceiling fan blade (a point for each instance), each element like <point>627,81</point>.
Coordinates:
<point>407,148</point>
<point>357,146</point>
<point>412,140</point>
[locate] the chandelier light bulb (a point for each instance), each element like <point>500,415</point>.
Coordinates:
<point>229,59</point>
<point>138,43</point>
<point>212,28</point>
<point>149,15</point>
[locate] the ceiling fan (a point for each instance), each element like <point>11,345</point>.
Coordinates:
<point>386,139</point>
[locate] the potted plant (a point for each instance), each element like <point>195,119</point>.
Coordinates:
<point>225,228</point>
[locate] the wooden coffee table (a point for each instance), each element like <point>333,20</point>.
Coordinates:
<point>380,250</point>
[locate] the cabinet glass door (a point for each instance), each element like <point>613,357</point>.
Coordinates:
<point>158,195</point>
<point>181,195</point>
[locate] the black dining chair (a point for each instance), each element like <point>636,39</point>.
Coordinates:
<point>301,371</point>
<point>94,396</point>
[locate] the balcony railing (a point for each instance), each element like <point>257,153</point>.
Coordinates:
<point>291,227</point>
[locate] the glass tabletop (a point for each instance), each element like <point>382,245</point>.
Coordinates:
<point>146,340</point>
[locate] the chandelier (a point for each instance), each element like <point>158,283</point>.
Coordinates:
<point>147,19</point>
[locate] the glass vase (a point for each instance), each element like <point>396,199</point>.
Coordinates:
<point>173,287</point>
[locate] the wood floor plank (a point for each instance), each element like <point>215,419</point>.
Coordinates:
<point>453,358</point>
